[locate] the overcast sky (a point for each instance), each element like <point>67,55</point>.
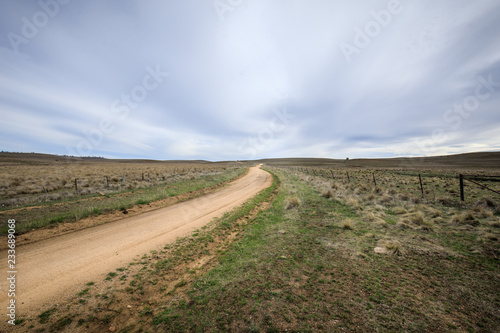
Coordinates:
<point>245,79</point>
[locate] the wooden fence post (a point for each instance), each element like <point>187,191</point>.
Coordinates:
<point>76,185</point>
<point>348,178</point>
<point>462,195</point>
<point>123,179</point>
<point>374,181</point>
<point>47,194</point>
<point>421,186</point>
<point>105,181</point>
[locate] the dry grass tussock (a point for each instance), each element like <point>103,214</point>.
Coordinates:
<point>417,218</point>
<point>486,207</point>
<point>370,216</point>
<point>399,210</point>
<point>292,202</point>
<point>393,246</point>
<point>327,194</point>
<point>465,218</point>
<point>347,224</point>
<point>353,201</point>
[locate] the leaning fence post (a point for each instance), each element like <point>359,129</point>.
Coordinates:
<point>45,192</point>
<point>421,186</point>
<point>374,181</point>
<point>462,196</point>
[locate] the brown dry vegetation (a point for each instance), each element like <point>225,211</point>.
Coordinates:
<point>439,185</point>
<point>23,198</point>
<point>23,177</point>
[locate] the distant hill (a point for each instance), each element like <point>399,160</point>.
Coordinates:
<point>7,158</point>
<point>482,160</point>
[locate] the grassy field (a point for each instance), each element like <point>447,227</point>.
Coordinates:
<point>324,255</point>
<point>436,186</point>
<point>24,199</point>
<point>316,261</point>
<point>32,179</point>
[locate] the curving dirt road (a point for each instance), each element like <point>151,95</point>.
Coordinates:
<point>55,268</point>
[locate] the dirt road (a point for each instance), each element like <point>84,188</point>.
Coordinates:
<point>50,270</point>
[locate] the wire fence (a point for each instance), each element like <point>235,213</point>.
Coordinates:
<point>431,185</point>
<point>474,179</point>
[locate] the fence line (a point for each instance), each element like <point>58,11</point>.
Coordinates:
<point>473,179</point>
<point>339,174</point>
